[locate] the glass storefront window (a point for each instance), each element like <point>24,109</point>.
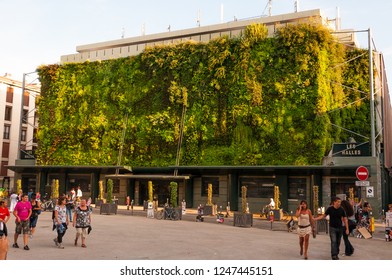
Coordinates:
<point>297,188</point>
<point>215,186</point>
<point>258,187</point>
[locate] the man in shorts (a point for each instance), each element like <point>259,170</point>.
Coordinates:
<point>22,213</point>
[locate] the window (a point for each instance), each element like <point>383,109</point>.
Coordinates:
<point>25,116</point>
<point>258,187</point>
<point>23,136</point>
<point>297,188</point>
<point>215,186</point>
<point>35,135</point>
<point>8,113</point>
<point>6,134</point>
<point>26,98</point>
<point>6,150</point>
<point>3,171</point>
<point>10,94</point>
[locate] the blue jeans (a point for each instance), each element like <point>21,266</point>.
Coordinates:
<point>69,214</point>
<point>335,235</point>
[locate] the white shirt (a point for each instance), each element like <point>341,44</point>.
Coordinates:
<point>79,193</point>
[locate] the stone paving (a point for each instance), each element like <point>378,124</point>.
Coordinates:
<point>130,235</point>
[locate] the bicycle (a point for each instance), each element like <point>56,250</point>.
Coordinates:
<point>167,213</point>
<point>47,205</point>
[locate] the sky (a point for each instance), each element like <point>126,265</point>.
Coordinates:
<point>36,32</point>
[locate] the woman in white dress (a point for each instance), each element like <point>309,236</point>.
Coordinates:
<point>14,200</point>
<point>305,226</point>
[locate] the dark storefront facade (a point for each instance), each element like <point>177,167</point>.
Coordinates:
<point>295,183</point>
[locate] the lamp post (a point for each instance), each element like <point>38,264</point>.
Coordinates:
<point>371,89</point>
<point>22,113</point>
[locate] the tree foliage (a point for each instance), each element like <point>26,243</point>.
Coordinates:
<point>251,100</point>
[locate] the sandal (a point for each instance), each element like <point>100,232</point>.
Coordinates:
<point>84,246</point>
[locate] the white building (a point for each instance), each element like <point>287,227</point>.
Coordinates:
<point>17,127</point>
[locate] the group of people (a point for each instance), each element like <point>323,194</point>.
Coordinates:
<point>342,222</point>
<point>27,209</point>
<point>81,220</point>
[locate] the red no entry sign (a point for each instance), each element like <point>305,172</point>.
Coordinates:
<point>362,173</point>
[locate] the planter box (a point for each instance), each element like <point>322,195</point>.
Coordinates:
<point>209,210</point>
<point>243,220</point>
<point>108,208</point>
<point>99,202</point>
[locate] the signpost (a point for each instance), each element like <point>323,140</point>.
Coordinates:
<point>362,173</point>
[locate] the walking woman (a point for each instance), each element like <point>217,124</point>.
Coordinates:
<point>36,210</point>
<point>82,222</point>
<point>61,221</point>
<point>305,226</point>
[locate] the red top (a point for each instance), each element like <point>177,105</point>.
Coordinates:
<point>4,213</point>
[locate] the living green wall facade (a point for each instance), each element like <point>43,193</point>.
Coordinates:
<point>252,100</point>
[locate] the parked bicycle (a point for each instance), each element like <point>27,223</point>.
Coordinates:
<point>167,213</point>
<point>47,204</point>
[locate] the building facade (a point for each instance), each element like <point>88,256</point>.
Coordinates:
<point>19,125</point>
<point>336,174</point>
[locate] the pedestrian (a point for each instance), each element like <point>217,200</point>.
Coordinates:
<point>349,209</point>
<point>30,193</point>
<point>336,216</point>
<point>61,221</point>
<point>38,196</point>
<point>79,194</point>
<point>82,222</point>
<point>14,201</point>
<point>20,195</point>
<point>22,213</point>
<point>305,226</point>
<point>69,206</point>
<point>36,210</point>
<point>73,194</point>
<point>4,216</point>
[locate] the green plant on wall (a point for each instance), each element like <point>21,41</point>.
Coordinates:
<point>173,194</point>
<point>252,100</point>
<point>109,194</point>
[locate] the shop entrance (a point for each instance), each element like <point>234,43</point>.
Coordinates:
<point>341,188</point>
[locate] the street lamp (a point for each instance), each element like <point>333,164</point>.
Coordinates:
<point>22,113</point>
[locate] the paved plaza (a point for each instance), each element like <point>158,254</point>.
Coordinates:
<point>130,235</point>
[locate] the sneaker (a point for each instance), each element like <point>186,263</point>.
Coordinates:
<point>60,246</point>
<point>26,248</point>
<point>15,245</point>
<point>335,257</point>
<point>55,242</point>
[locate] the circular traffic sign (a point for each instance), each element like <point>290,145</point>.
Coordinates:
<point>362,173</point>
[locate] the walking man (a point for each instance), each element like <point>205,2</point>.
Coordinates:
<point>22,213</point>
<point>337,217</point>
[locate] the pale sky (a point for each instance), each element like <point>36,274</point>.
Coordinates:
<point>35,32</point>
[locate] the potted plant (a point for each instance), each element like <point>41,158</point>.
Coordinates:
<point>109,207</point>
<point>100,198</point>
<point>278,213</point>
<point>174,199</point>
<point>209,207</point>
<point>244,218</point>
